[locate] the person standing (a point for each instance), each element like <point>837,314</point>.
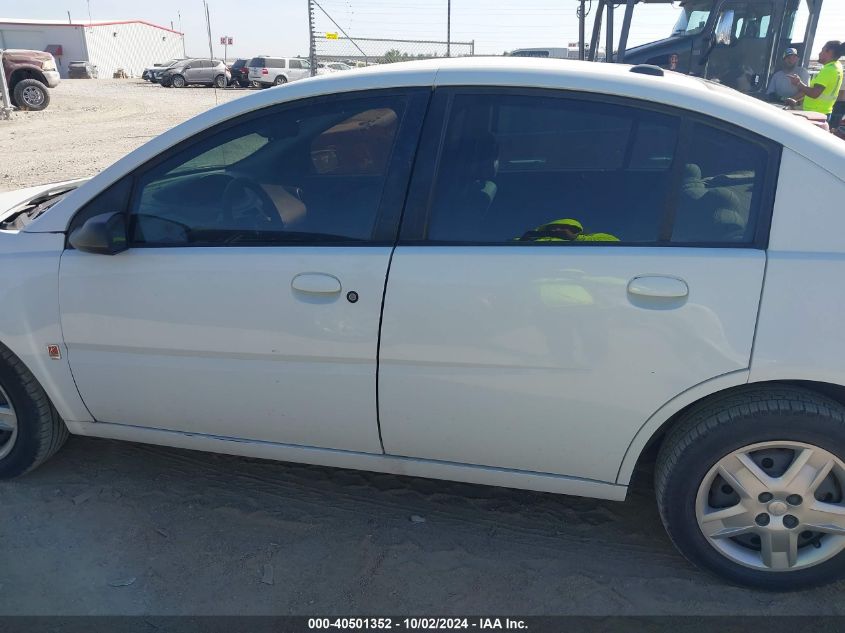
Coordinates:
<point>780,87</point>
<point>821,96</point>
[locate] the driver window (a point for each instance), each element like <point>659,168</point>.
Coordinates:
<point>305,174</point>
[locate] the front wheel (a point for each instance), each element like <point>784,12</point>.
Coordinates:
<point>30,429</point>
<point>178,81</point>
<point>31,94</point>
<point>751,486</point>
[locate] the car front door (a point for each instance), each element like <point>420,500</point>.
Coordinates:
<point>248,303</point>
<point>193,71</point>
<point>566,266</point>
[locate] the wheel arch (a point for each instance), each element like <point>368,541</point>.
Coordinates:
<point>25,72</point>
<point>648,439</point>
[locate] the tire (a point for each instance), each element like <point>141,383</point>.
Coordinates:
<point>280,80</point>
<point>763,430</point>
<point>39,432</point>
<point>220,81</point>
<point>177,81</point>
<point>31,94</point>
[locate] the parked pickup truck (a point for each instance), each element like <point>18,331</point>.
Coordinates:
<point>29,74</point>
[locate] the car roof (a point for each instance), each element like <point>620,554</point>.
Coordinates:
<point>671,89</point>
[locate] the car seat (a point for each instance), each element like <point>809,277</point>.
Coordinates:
<point>706,213</point>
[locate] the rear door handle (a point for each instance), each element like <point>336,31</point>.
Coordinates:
<point>658,286</point>
<point>316,283</point>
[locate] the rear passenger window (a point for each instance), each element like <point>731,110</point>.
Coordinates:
<point>545,169</point>
<point>295,63</point>
<point>549,170</point>
<point>721,188</point>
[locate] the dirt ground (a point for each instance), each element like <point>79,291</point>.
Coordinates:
<point>91,123</point>
<point>111,528</point>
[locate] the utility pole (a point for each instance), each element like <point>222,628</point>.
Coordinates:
<point>449,28</point>
<point>208,27</point>
<point>582,31</point>
<point>179,13</point>
<point>312,44</point>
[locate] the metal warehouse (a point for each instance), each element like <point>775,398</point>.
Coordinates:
<point>110,45</point>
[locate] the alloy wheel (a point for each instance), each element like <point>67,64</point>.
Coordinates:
<point>774,506</point>
<point>32,96</point>
<point>8,424</point>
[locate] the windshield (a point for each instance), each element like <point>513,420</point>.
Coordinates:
<point>693,18</point>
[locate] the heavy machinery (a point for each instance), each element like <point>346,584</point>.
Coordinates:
<point>739,43</point>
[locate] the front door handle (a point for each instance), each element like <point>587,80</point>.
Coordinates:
<point>658,286</point>
<point>316,283</point>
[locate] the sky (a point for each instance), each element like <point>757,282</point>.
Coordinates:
<point>280,27</point>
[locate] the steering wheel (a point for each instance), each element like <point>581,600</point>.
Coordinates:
<point>247,206</point>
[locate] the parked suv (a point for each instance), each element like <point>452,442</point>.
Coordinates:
<point>81,70</point>
<point>29,74</point>
<point>275,71</point>
<point>240,73</point>
<point>154,74</point>
<point>207,72</point>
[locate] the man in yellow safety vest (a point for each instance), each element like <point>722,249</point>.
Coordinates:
<point>821,96</point>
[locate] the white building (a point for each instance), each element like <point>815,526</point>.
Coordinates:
<point>131,44</point>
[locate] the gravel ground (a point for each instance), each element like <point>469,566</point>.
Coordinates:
<point>111,528</point>
<point>90,123</point>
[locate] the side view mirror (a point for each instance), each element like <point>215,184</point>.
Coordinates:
<point>103,234</point>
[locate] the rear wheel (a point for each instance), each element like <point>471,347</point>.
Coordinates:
<point>31,94</point>
<point>30,429</point>
<point>751,486</point>
<point>177,81</point>
<point>220,81</point>
<point>280,80</point>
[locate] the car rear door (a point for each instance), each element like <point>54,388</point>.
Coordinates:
<point>507,343</point>
<point>248,303</point>
<point>208,70</point>
<point>297,69</point>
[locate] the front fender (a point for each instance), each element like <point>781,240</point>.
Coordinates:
<point>30,321</point>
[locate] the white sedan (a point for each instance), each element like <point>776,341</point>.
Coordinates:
<point>504,271</point>
<point>325,68</point>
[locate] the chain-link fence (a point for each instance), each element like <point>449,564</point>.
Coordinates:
<point>330,47</point>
